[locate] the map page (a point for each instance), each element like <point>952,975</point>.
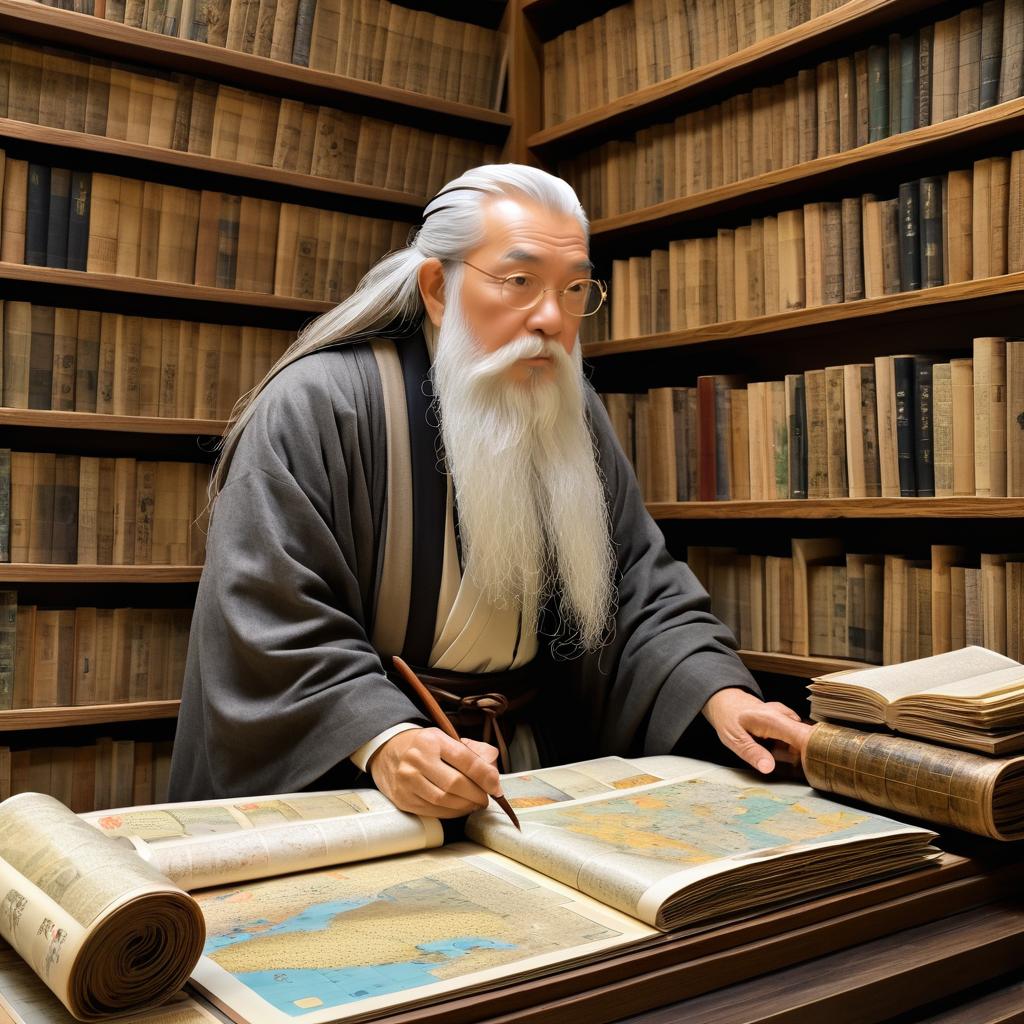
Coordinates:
<point>354,942</point>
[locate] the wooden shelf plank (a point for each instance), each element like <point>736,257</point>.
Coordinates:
<point>35,572</point>
<point>91,714</point>
<point>39,135</point>
<point>86,33</point>
<point>148,288</point>
<point>930,301</point>
<point>646,105</point>
<point>795,665</point>
<point>103,421</point>
<point>843,508</point>
<point>959,135</point>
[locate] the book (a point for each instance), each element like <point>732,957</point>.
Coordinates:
<point>580,881</point>
<point>938,784</point>
<point>971,698</point>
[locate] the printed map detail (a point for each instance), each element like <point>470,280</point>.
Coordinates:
<point>331,938</point>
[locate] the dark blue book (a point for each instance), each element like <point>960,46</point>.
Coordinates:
<point>991,51</point>
<point>78,220</point>
<point>903,373</point>
<point>797,436</point>
<point>910,237</point>
<point>924,463</point>
<point>303,32</point>
<point>925,37</point>
<point>908,83</point>
<point>37,215</point>
<point>878,92</point>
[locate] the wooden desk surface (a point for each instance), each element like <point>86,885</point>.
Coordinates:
<point>860,957</point>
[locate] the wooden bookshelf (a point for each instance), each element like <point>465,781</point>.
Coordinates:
<point>933,142</point>
<point>766,55</point>
<point>985,294</point>
<point>843,508</point>
<point>33,572</point>
<point>133,159</point>
<point>88,714</point>
<point>183,300</point>
<point>48,419</point>
<point>794,665</point>
<point>85,33</point>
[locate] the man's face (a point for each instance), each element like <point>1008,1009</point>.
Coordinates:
<point>522,237</point>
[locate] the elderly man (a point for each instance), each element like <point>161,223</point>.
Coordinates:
<point>426,473</point>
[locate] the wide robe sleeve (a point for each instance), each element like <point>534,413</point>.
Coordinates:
<point>668,653</point>
<point>282,683</point>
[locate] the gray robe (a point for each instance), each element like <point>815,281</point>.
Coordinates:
<point>282,683</point>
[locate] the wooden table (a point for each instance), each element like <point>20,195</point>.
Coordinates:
<point>884,953</point>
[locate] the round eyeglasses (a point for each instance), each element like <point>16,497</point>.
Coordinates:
<point>523,290</point>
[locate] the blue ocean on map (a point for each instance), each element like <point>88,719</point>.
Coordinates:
<point>337,986</point>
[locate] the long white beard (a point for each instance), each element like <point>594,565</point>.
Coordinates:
<point>531,505</point>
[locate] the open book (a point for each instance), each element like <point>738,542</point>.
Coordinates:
<point>972,698</point>
<point>338,907</point>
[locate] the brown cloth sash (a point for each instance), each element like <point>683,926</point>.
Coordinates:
<point>486,705</point>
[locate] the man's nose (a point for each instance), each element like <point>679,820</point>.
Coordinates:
<point>547,317</point>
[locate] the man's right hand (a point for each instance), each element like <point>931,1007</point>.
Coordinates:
<point>426,772</point>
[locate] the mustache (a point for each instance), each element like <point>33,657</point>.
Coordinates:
<point>529,346</point>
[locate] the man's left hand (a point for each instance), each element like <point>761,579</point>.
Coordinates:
<point>738,717</point>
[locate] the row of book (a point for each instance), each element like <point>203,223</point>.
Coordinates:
<point>637,44</point>
<point>107,773</point>
<point>964,225</point>
<point>80,360</point>
<point>891,87</point>
<point>903,426</point>
<point>822,601</point>
<point>65,657</point>
<point>373,40</point>
<point>63,89</point>
<point>55,217</point>
<point>86,510</point>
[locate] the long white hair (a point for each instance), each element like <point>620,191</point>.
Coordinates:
<point>388,297</point>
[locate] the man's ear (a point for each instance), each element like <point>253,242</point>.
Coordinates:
<point>431,282</point>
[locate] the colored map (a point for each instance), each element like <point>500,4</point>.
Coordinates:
<point>334,938</point>
<point>573,782</point>
<point>616,848</point>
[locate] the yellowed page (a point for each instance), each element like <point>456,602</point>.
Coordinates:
<point>81,908</point>
<point>220,842</point>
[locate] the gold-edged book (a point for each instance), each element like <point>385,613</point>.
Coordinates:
<point>971,698</point>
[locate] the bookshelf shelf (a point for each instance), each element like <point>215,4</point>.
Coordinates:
<point>215,170</point>
<point>930,142</point>
<point>987,293</point>
<point>191,298</point>
<point>32,572</point>
<point>91,714</point>
<point>843,508</point>
<point>795,665</point>
<point>84,32</point>
<point>101,421</point>
<point>658,100</point>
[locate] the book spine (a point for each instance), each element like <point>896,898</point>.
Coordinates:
<point>909,104</point>
<point>931,273</point>
<point>798,440</point>
<point>924,469</point>
<point>303,32</point>
<point>924,76</point>
<point>57,220</point>
<point>878,92</point>
<point>78,220</point>
<point>706,444</point>
<point>991,51</point>
<point>37,215</point>
<point>903,377</point>
<point>910,237</point>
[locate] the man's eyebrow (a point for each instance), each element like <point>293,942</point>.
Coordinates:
<point>523,256</point>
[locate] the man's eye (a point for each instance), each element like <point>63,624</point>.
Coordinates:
<point>575,289</point>
<point>518,281</point>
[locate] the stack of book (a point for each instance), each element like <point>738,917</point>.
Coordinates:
<point>821,600</point>
<point>55,217</point>
<point>80,360</point>
<point>85,510</point>
<point>68,657</point>
<point>965,700</point>
<point>962,64</point>
<point>376,41</point>
<point>902,426</point>
<point>196,115</point>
